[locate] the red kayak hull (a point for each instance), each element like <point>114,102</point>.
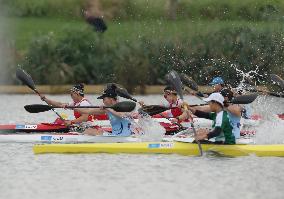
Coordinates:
<point>43,127</point>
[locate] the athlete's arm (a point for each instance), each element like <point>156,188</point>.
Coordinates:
<point>216,131</point>
<point>118,114</point>
<point>235,110</point>
<point>88,111</point>
<point>52,102</point>
<point>202,114</point>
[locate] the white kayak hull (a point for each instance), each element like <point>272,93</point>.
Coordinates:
<point>198,122</point>
<point>80,138</point>
<point>62,138</point>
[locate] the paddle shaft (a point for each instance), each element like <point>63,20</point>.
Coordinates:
<point>177,84</point>
<point>28,81</point>
<point>36,91</point>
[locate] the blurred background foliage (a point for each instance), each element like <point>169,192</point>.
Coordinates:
<point>145,39</point>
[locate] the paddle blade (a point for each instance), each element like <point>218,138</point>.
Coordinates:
<point>277,80</point>
<point>188,82</point>
<point>122,92</point>
<point>37,108</point>
<point>244,99</point>
<point>175,81</point>
<point>124,106</point>
<point>153,109</point>
<point>25,78</point>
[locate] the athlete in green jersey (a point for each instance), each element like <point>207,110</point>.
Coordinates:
<point>222,129</point>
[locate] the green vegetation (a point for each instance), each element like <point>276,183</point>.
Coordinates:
<point>84,56</point>
<point>208,38</point>
<point>151,9</point>
<point>28,29</point>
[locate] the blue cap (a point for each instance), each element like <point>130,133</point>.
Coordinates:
<point>217,80</point>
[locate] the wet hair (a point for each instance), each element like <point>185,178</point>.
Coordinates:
<point>78,88</point>
<point>171,89</point>
<point>227,93</point>
<point>109,92</point>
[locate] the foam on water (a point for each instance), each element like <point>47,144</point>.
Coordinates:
<point>147,129</point>
<point>271,128</point>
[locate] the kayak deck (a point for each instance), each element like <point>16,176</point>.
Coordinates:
<point>162,148</point>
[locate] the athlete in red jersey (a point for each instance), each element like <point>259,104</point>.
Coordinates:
<point>78,99</point>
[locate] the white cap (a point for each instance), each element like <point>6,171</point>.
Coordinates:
<point>215,97</point>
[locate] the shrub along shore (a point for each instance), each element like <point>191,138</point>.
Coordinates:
<point>209,38</point>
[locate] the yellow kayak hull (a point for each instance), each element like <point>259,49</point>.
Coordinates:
<point>162,148</point>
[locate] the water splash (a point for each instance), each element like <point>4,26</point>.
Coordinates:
<point>271,128</point>
<point>245,77</point>
<point>147,129</point>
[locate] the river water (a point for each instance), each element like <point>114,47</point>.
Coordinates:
<point>25,175</point>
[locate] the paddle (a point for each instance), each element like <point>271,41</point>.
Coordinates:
<point>156,109</point>
<point>153,109</point>
<point>175,80</point>
<point>28,81</point>
<point>119,107</point>
<point>277,80</point>
<point>189,82</point>
<point>252,88</point>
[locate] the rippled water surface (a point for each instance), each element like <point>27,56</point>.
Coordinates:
<point>25,175</point>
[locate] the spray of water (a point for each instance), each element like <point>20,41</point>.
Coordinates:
<point>245,76</point>
<point>271,129</point>
<point>147,129</point>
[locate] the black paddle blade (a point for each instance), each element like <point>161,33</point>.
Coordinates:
<point>37,108</point>
<point>244,99</point>
<point>25,78</point>
<point>123,93</point>
<point>124,106</point>
<point>113,86</point>
<point>175,81</point>
<point>188,82</point>
<point>277,80</point>
<point>153,109</point>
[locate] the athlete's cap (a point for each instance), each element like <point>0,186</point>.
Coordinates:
<point>108,93</point>
<point>217,97</point>
<point>217,80</point>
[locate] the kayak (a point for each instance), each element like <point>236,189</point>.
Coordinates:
<point>74,137</point>
<point>42,127</point>
<point>162,148</point>
<point>63,138</point>
<point>170,127</point>
<point>54,127</point>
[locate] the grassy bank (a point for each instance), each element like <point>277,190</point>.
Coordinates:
<point>24,30</point>
<point>150,9</point>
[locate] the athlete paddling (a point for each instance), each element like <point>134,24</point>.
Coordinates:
<point>120,125</point>
<point>78,99</point>
<point>222,128</point>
